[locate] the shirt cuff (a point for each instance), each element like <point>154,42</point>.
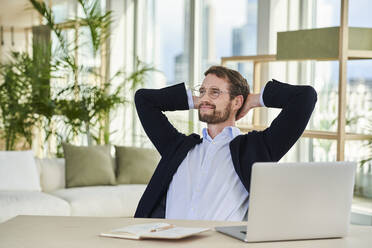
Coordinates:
<point>261,96</point>
<point>189,99</point>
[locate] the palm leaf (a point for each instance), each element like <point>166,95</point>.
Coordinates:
<point>98,23</point>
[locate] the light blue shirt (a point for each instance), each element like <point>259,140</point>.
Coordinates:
<point>206,186</point>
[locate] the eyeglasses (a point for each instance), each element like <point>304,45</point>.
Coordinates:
<point>213,92</point>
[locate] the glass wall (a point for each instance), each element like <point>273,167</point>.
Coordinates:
<point>220,34</point>
<point>163,38</point>
<point>170,30</point>
<point>312,149</point>
<point>356,150</point>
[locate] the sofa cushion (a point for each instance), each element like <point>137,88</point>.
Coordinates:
<point>88,166</point>
<point>105,201</point>
<point>18,171</point>
<point>52,176</point>
<point>135,165</point>
<point>13,203</point>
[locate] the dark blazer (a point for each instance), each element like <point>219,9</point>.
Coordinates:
<point>297,104</point>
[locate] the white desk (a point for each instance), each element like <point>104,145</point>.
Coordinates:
<point>80,232</point>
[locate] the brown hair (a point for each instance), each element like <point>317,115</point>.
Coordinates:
<point>238,84</point>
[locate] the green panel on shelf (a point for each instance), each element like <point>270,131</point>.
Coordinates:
<point>321,43</point>
<point>360,38</point>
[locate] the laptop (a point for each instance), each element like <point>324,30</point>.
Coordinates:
<point>294,201</point>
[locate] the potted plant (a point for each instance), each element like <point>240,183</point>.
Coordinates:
<point>88,111</point>
<point>29,100</point>
<point>22,103</point>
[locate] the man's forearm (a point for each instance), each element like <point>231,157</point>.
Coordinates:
<point>254,100</point>
<point>150,104</point>
<point>296,102</point>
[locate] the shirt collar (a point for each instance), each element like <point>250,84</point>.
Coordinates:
<point>228,132</point>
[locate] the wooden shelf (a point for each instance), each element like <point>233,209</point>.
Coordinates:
<point>352,55</point>
<point>359,54</point>
<point>253,58</point>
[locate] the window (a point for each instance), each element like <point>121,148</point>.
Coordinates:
<point>225,34</point>
<point>163,41</point>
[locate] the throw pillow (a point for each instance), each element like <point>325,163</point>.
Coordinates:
<point>18,171</point>
<point>135,165</point>
<point>88,165</point>
<point>52,175</point>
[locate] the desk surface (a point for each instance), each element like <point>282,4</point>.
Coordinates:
<point>54,232</point>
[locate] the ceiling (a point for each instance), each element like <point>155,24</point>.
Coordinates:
<point>16,13</point>
<point>19,13</point>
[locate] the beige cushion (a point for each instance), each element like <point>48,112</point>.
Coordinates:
<point>103,201</point>
<point>135,165</point>
<point>13,203</point>
<point>88,166</point>
<point>52,173</point>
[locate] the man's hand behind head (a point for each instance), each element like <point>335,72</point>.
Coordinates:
<point>253,101</point>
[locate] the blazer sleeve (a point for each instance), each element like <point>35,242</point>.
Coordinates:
<point>297,103</point>
<point>150,104</point>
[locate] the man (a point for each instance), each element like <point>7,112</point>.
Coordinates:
<point>209,177</point>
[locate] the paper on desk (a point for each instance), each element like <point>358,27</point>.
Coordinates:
<point>141,231</point>
<point>141,228</point>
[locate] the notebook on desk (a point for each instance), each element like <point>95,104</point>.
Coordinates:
<point>293,201</point>
<point>153,231</point>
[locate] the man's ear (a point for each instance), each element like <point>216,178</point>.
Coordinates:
<point>238,102</point>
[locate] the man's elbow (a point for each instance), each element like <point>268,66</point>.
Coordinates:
<point>311,95</point>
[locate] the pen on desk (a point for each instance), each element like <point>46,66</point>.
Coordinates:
<point>162,228</point>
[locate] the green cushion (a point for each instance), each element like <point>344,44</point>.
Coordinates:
<point>88,165</point>
<point>135,165</point>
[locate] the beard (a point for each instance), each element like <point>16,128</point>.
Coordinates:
<point>216,116</point>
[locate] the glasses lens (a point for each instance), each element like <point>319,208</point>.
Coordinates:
<point>201,92</point>
<point>214,93</point>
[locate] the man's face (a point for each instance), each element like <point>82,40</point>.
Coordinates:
<point>214,111</point>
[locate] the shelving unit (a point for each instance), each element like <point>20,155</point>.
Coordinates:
<point>344,54</point>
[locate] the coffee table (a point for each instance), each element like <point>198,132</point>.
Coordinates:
<point>80,232</point>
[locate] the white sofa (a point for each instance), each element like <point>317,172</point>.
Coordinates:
<point>56,199</point>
